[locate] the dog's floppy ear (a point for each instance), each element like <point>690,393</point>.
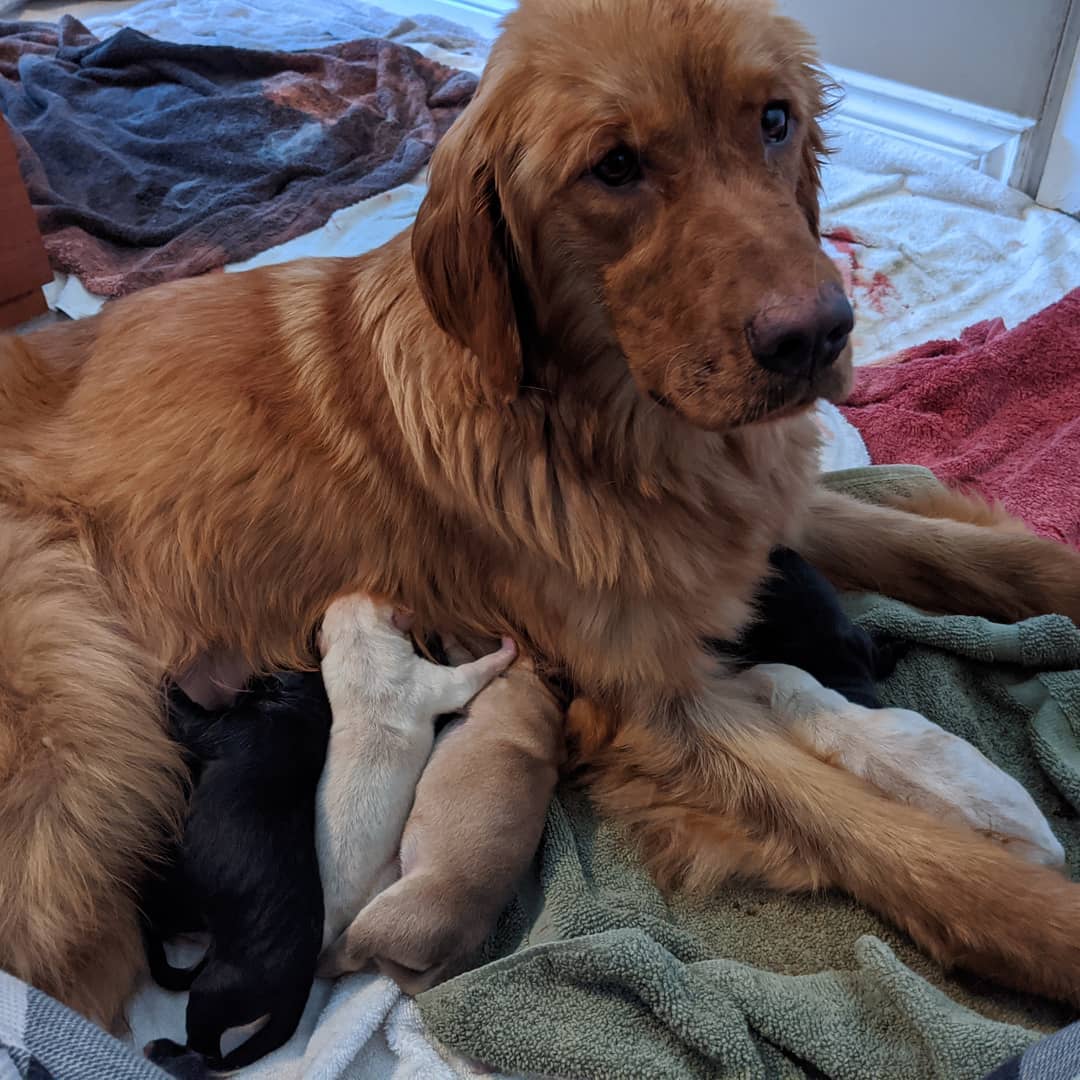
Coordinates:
<point>463,257</point>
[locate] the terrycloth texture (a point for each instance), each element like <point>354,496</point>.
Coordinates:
<point>148,161</point>
<point>360,1026</point>
<point>596,975</point>
<point>996,410</point>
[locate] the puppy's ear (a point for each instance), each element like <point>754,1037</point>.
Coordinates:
<point>463,256</point>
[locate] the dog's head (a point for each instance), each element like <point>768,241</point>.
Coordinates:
<point>639,178</point>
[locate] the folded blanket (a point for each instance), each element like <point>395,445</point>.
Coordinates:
<point>592,972</point>
<point>997,410</point>
<point>148,161</point>
<point>1054,1058</point>
<point>40,1039</point>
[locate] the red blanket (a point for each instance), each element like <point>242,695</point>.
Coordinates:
<point>997,411</point>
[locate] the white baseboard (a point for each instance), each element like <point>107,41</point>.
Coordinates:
<point>987,140</point>
<point>480,15</point>
<point>984,139</point>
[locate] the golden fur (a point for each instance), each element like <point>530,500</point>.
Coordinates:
<point>536,412</point>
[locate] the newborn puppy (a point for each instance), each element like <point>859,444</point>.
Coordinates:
<point>908,757</point>
<point>246,870</point>
<point>385,700</point>
<point>800,622</point>
<point>474,828</point>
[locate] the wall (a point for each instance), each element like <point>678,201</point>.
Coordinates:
<point>1060,185</point>
<point>998,53</point>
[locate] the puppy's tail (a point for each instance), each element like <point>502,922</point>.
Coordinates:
<point>277,1031</point>
<point>707,800</point>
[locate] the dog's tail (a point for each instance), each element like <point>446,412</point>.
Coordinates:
<point>90,784</point>
<point>706,801</point>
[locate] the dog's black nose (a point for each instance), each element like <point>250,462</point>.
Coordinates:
<point>802,334</point>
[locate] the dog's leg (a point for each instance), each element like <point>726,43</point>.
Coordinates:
<point>449,689</point>
<point>711,788</point>
<point>90,784</point>
<point>177,1060</point>
<point>938,501</point>
<point>940,564</point>
<point>403,934</point>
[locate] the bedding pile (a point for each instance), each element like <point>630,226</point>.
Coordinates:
<point>591,971</point>
<point>752,983</point>
<point>996,410</point>
<point>928,248</point>
<point>149,161</point>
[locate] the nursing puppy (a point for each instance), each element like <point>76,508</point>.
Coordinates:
<point>474,828</point>
<point>910,758</point>
<point>384,700</point>
<point>818,671</point>
<point>570,404</point>
<point>247,871</point>
<point>800,622</point>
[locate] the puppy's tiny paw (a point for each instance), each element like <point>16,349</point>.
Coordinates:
<point>177,1060</point>
<point>507,650</point>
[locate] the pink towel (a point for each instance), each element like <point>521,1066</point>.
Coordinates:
<point>997,411</point>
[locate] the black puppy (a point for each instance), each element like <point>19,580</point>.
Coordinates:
<point>246,870</point>
<point>800,622</point>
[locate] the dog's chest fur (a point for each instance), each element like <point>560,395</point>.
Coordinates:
<point>312,455</point>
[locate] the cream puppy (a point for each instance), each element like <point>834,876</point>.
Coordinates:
<point>384,700</point>
<point>907,756</point>
<point>473,831</point>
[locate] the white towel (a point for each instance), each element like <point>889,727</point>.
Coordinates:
<point>360,1026</point>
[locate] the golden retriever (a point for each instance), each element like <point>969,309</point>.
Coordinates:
<point>570,405</point>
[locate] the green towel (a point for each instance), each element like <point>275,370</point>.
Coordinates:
<point>592,973</point>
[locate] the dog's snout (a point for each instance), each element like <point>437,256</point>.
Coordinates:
<point>802,334</point>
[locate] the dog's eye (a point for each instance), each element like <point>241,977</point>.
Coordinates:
<point>618,166</point>
<point>776,122</point>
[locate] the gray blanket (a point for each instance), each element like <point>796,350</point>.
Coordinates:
<point>148,161</point>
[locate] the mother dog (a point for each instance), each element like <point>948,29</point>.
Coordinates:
<point>570,405</point>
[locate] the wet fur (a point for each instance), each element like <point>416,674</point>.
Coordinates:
<point>530,414</point>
